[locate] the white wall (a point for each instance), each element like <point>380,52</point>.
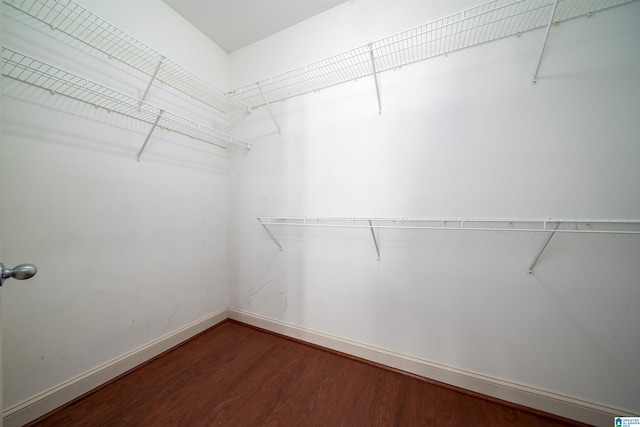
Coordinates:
<point>464,136</point>
<point>127,251</point>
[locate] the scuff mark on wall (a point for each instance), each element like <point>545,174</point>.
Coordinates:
<point>169,322</point>
<point>247,300</point>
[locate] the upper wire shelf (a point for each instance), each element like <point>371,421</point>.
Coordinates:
<point>481,24</point>
<point>36,73</point>
<point>80,24</point>
<point>488,22</point>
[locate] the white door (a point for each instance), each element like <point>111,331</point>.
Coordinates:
<point>1,157</point>
<point>20,272</point>
<point>1,380</point>
<point>23,271</point>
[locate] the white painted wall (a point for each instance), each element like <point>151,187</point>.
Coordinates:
<point>127,252</point>
<point>461,136</point>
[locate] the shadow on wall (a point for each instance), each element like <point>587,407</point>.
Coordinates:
<point>99,131</point>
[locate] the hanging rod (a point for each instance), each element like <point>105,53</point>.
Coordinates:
<point>59,82</point>
<point>73,20</point>
<point>488,22</point>
<point>595,226</point>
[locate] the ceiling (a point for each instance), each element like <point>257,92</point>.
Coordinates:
<point>233,24</point>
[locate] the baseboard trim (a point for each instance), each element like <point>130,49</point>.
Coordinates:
<point>551,402</point>
<point>574,408</point>
<point>51,399</point>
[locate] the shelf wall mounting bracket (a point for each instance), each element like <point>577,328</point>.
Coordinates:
<point>269,233</point>
<point>542,248</point>
<point>269,107</point>
<point>375,241</point>
<point>146,140</point>
<point>153,77</point>
<point>375,79</point>
<point>534,81</point>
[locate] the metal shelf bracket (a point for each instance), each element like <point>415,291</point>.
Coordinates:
<point>375,79</point>
<point>269,107</point>
<point>375,241</point>
<point>269,233</point>
<point>153,77</point>
<point>146,140</point>
<point>534,81</point>
<point>543,247</point>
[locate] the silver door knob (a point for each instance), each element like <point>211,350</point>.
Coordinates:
<point>19,272</point>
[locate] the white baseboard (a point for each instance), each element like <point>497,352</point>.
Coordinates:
<point>49,400</point>
<point>544,400</point>
<point>548,401</point>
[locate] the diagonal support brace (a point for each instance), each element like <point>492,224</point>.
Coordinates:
<point>544,43</point>
<point>269,233</point>
<point>269,107</point>
<point>146,140</point>
<point>544,246</point>
<point>375,77</point>
<point>153,77</point>
<point>375,241</point>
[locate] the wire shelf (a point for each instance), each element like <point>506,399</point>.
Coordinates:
<point>485,23</point>
<point>36,73</point>
<point>595,226</point>
<point>547,226</point>
<point>80,24</point>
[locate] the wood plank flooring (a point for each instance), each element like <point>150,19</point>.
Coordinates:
<point>236,375</point>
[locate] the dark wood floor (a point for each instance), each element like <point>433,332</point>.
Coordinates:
<point>235,375</point>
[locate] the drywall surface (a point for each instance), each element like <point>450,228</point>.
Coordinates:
<point>127,251</point>
<point>462,136</point>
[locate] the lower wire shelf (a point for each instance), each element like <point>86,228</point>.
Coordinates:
<point>549,226</point>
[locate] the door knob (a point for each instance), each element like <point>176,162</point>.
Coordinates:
<point>19,272</point>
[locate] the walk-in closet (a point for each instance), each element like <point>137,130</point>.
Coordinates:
<point>447,188</point>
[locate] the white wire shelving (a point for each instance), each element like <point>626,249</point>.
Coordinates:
<point>485,23</point>
<point>490,21</point>
<point>31,71</point>
<point>597,226</point>
<point>80,24</point>
<point>472,27</point>
<point>548,226</point>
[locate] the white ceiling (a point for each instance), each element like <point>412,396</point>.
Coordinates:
<point>233,24</point>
